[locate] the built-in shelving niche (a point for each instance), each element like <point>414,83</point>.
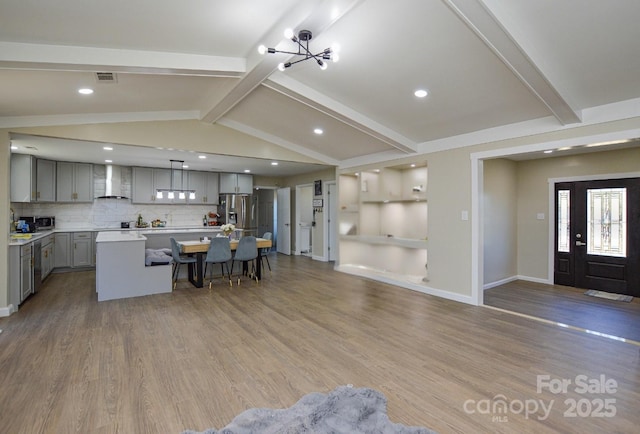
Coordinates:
<point>383,224</point>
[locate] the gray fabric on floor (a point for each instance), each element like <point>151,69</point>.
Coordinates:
<point>343,410</point>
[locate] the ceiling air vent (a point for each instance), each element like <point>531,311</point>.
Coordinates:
<point>106,77</point>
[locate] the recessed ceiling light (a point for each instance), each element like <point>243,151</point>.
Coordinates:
<point>247,171</point>
<point>85,91</point>
<point>107,148</point>
<point>565,148</point>
<point>202,157</point>
<point>318,131</point>
<point>548,151</point>
<point>413,165</point>
<point>108,161</point>
<point>421,93</point>
<point>274,163</point>
<point>185,166</point>
<point>14,148</point>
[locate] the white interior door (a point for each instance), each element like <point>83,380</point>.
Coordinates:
<point>284,221</point>
<point>332,223</point>
<point>304,218</point>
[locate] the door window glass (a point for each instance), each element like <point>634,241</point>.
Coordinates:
<point>564,220</point>
<point>606,222</point>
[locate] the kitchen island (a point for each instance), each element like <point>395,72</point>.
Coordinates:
<point>121,270</point>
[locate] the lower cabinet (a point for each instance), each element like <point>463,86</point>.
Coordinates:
<point>74,249</point>
<point>82,249</point>
<point>26,271</point>
<point>62,250</point>
<point>20,273</point>
<point>47,259</point>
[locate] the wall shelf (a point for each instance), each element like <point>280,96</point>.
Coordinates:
<point>409,243</point>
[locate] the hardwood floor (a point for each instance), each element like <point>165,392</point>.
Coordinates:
<point>195,358</point>
<point>569,306</point>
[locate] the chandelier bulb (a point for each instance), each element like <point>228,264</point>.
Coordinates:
<point>335,57</point>
<point>262,49</point>
<point>323,65</point>
<point>281,66</point>
<point>288,33</point>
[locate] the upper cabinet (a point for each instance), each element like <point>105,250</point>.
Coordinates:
<point>74,182</point>
<point>32,179</point>
<point>46,180</point>
<point>206,187</point>
<point>146,182</point>
<point>236,183</point>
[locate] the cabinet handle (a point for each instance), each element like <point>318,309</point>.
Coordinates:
<point>75,246</point>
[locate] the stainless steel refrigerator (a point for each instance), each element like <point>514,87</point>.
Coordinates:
<point>241,210</point>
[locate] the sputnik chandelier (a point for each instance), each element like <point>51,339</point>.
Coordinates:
<point>303,38</point>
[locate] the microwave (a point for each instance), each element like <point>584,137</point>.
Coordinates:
<point>41,223</point>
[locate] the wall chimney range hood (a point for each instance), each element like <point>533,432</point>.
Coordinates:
<point>113,187</point>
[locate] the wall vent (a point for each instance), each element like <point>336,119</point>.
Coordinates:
<point>106,77</point>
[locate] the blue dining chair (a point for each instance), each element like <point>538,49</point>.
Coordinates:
<point>178,260</point>
<point>246,251</point>
<point>219,252</point>
<point>264,252</point>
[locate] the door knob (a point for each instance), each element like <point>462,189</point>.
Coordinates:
<point>580,243</point>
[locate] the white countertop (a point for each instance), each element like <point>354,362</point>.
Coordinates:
<point>143,231</point>
<point>119,236</point>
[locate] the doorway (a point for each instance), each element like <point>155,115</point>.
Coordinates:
<point>597,236</point>
<point>283,217</point>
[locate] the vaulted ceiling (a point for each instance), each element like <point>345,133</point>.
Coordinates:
<point>485,63</point>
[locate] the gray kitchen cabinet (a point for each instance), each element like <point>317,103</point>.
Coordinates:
<point>45,180</point>
<point>142,185</point>
<point>26,271</point>
<point>23,178</point>
<point>32,179</point>
<point>145,182</point>
<point>82,249</point>
<point>206,186</point>
<point>236,183</point>
<point>47,259</point>
<point>20,273</point>
<point>74,182</point>
<point>94,235</point>
<point>62,250</point>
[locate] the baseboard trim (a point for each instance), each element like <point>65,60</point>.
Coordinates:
<point>6,311</point>
<point>320,258</point>
<point>513,279</point>
<point>423,288</point>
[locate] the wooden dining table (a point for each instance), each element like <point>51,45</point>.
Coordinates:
<point>200,248</point>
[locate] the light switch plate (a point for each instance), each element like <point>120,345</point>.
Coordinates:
<point>464,215</point>
<point>540,216</point>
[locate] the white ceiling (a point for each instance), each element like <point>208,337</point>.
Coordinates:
<point>486,63</point>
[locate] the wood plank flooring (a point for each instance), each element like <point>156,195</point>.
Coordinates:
<point>569,306</point>
<point>195,358</point>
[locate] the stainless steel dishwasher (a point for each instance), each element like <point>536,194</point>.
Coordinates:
<point>37,266</point>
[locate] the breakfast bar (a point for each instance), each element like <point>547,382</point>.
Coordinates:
<point>121,270</point>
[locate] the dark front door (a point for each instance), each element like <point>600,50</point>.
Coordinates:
<point>597,241</point>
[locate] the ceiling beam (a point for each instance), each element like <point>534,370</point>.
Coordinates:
<point>484,24</point>
<point>70,58</point>
<point>313,15</point>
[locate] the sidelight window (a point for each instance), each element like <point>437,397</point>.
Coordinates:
<point>607,222</point>
<point>564,221</point>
